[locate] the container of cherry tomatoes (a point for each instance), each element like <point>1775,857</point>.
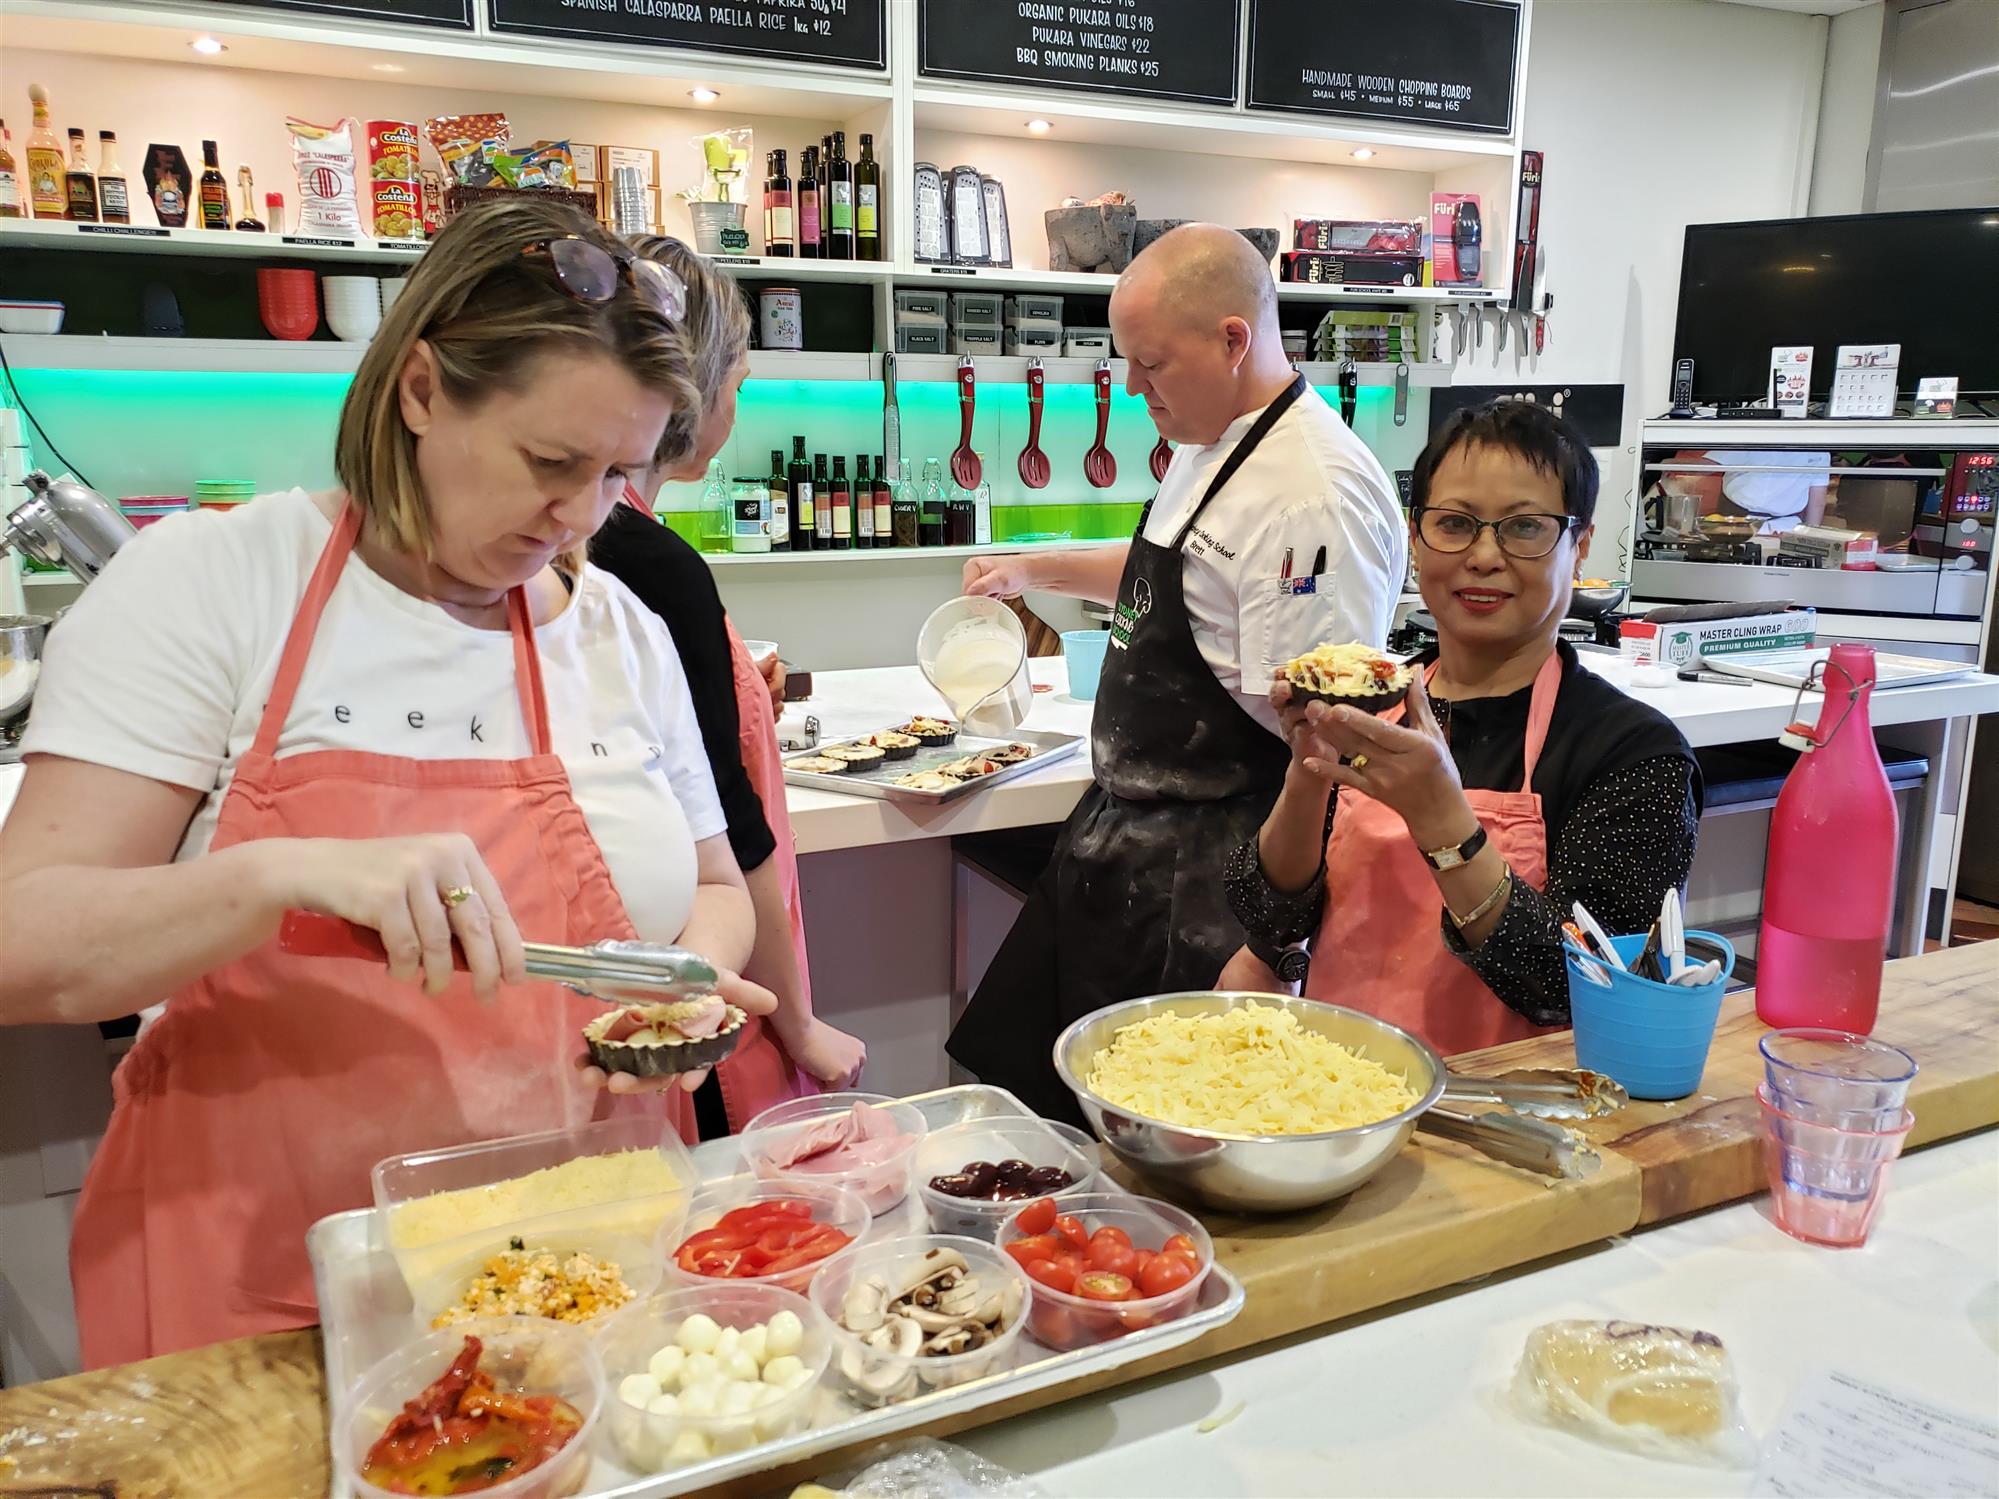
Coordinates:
<point>1103,1265</point>
<point>741,1231</point>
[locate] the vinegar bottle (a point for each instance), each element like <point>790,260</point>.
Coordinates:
<point>1829,882</point>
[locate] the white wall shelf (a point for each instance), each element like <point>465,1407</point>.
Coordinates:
<point>1907,432</point>
<point>465,62</point>
<point>1089,283</point>
<point>67,351</point>
<point>862,556</point>
<point>57,234</point>
<point>1100,120</point>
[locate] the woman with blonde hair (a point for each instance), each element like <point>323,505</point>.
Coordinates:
<point>408,702</point>
<point>736,707</point>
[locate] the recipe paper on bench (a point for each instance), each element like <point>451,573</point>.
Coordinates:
<point>1844,1435</point>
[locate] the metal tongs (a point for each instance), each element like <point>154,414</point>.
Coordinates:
<point>1545,1093</point>
<point>1508,1117</point>
<point>1535,1144</point>
<point>613,971</point>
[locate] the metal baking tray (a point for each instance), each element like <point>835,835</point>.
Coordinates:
<point>365,1313</point>
<point>880,782</point>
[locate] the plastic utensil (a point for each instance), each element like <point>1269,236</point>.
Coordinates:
<point>1083,653</point>
<point>1034,467</point>
<point>614,972</point>
<point>1837,1078</point>
<point>1826,1184</point>
<point>1652,1038</point>
<point>1822,941</point>
<point>977,639</point>
<point>1099,467</point>
<point>965,465</point>
<point>1161,459</point>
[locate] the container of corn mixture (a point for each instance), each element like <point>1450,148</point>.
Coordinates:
<point>611,1189</point>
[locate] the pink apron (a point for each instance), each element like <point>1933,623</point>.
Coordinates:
<point>1380,947</point>
<point>758,1074</point>
<point>263,1096</point>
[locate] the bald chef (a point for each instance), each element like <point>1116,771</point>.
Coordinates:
<point>1274,531</point>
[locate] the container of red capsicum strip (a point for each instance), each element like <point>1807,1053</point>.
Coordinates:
<point>766,1233</point>
<point>502,1406</point>
<point>1103,1265</point>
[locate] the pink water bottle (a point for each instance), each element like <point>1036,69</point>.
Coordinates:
<point>1829,884</point>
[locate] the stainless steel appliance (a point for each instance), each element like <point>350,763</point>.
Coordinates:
<point>64,524</point>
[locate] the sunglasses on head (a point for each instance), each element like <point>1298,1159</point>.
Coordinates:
<point>590,273</point>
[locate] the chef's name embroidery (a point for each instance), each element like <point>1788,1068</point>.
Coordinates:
<point>1207,539</point>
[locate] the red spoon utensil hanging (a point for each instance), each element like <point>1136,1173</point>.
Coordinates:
<point>1162,457</point>
<point>1034,469</point>
<point>1099,467</point>
<point>965,465</point>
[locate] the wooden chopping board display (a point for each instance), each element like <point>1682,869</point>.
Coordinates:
<point>248,1417</point>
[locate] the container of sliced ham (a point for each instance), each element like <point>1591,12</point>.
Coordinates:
<point>865,1142</point>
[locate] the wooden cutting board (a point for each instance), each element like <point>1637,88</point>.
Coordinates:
<point>248,1417</point>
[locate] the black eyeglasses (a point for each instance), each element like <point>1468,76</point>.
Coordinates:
<point>590,273</point>
<point>1528,535</point>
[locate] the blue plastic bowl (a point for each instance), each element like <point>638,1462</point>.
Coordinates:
<point>1083,650</point>
<point>1652,1038</point>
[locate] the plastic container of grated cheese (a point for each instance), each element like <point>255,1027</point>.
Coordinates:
<point>611,1189</point>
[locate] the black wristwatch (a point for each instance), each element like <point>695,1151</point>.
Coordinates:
<point>1463,853</point>
<point>1289,963</point>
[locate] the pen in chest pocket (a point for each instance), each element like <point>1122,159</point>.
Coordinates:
<point>1319,562</point>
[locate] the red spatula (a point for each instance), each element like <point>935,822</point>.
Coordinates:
<point>1161,459</point>
<point>1099,465</point>
<point>1034,468</point>
<point>610,971</point>
<point>965,465</point>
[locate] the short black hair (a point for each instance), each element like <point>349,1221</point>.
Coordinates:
<point>1526,429</point>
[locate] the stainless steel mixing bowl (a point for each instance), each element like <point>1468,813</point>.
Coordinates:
<point>1253,1173</point>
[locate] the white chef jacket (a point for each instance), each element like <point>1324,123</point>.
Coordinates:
<point>1309,484</point>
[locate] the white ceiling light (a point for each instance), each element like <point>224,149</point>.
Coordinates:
<point>207,46</point>
<point>1365,153</point>
<point>703,95</point>
<point>1039,127</point>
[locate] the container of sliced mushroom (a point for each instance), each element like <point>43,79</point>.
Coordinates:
<point>920,1313</point>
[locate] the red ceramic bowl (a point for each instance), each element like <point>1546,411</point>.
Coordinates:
<point>288,303</point>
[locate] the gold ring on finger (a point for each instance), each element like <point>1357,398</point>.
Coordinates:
<point>1358,762</point>
<point>457,895</point>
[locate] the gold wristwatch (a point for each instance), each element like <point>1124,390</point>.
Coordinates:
<point>1461,854</point>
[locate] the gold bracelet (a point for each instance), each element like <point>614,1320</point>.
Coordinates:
<point>1461,922</point>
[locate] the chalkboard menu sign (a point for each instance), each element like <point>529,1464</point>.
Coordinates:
<point>842,33</point>
<point>1150,49</point>
<point>1448,63</point>
<point>456,14</point>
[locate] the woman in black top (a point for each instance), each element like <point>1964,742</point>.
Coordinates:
<point>1432,890</point>
<point>671,579</point>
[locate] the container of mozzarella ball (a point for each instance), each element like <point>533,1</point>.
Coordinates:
<point>708,1370</point>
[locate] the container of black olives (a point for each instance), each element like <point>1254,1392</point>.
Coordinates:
<point>971,1175</point>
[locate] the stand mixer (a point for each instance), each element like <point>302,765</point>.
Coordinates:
<point>64,524</point>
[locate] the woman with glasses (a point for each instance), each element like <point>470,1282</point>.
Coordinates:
<point>1419,865</point>
<point>733,702</point>
<point>406,701</point>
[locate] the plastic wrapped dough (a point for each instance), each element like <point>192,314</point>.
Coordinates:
<point>1660,1391</point>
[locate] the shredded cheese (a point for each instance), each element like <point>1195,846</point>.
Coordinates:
<point>587,1181</point>
<point>1351,670</point>
<point>1253,1070</point>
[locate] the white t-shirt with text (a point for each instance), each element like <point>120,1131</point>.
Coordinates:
<point>163,666</point>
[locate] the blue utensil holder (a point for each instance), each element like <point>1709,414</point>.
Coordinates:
<point>1653,1038</point>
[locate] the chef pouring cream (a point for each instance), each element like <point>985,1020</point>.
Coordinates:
<point>1275,530</point>
<point>407,702</point>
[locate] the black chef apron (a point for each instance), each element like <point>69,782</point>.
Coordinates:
<point>1132,903</point>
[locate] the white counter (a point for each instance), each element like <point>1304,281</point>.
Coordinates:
<point>856,702</point>
<point>1407,1402</point>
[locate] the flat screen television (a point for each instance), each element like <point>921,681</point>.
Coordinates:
<point>1927,281</point>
